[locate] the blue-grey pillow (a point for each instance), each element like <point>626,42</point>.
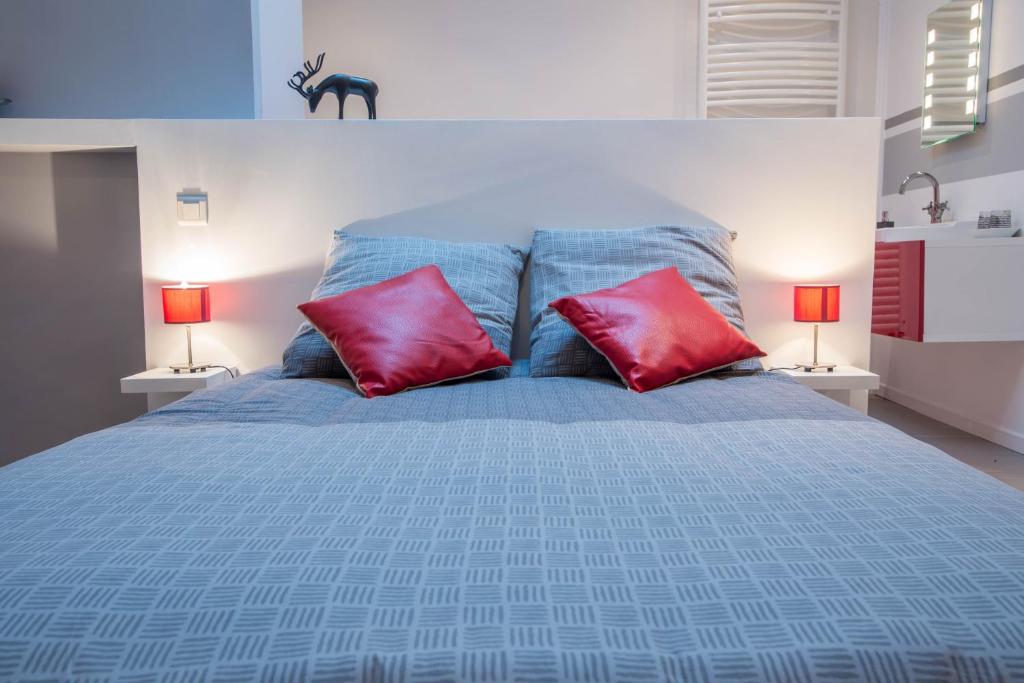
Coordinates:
<point>572,262</point>
<point>485,276</point>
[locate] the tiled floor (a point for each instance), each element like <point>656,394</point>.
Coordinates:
<point>1001,463</point>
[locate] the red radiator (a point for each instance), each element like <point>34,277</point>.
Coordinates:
<point>897,302</point>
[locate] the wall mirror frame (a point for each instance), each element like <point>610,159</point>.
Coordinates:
<point>957,37</point>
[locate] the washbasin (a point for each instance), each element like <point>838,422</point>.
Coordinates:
<point>940,231</point>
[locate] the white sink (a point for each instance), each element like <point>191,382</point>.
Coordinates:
<point>940,231</point>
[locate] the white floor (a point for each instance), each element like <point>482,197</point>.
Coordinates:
<point>999,462</point>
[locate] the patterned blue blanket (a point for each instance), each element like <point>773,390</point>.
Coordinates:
<point>735,528</point>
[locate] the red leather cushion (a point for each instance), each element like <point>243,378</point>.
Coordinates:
<point>410,331</point>
<point>656,330</point>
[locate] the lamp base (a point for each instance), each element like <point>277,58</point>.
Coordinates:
<point>190,367</point>
<point>811,367</point>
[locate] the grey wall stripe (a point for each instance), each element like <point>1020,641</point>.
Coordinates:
<point>997,147</point>
<point>999,80</point>
<point>1007,77</point>
<point>900,119</point>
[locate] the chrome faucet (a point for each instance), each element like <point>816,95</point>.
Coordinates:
<point>936,208</point>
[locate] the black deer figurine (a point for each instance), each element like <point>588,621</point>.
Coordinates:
<point>341,85</point>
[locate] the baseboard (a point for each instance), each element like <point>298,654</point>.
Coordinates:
<point>1000,435</point>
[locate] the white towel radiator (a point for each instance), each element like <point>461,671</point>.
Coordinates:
<point>762,58</point>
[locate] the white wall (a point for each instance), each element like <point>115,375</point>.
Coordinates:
<point>862,57</point>
<point>277,54</point>
<point>903,55</point>
<point>799,192</point>
<point>540,59</point>
<point>126,58</point>
<point>487,59</point>
<point>977,387</point>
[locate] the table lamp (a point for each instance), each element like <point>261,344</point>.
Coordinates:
<point>816,304</point>
<point>186,304</point>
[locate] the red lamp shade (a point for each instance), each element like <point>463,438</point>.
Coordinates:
<point>186,303</point>
<point>816,303</point>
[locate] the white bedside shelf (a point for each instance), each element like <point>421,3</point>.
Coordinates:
<point>171,385</point>
<point>845,384</point>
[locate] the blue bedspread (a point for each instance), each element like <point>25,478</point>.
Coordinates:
<point>735,528</point>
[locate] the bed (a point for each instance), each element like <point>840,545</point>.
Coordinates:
<point>734,527</point>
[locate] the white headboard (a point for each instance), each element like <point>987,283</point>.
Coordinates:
<point>801,195</point>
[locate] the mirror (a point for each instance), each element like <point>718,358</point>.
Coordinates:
<point>955,70</point>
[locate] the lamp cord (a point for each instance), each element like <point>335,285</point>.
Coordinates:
<point>233,373</point>
<point>794,367</point>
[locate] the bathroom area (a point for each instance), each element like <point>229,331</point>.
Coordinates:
<point>947,309</point>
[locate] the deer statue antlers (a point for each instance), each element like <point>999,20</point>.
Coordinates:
<point>299,79</point>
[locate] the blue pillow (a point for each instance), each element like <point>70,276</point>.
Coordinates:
<point>572,262</point>
<point>485,276</point>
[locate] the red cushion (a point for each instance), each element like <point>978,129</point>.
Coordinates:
<point>410,331</point>
<point>656,330</point>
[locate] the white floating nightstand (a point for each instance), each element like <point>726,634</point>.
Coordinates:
<point>164,385</point>
<point>846,384</point>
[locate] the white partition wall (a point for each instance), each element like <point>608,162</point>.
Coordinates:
<point>799,193</point>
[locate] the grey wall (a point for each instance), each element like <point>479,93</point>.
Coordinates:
<point>70,296</point>
<point>126,58</point>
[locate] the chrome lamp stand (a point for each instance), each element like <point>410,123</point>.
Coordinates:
<point>202,367</point>
<point>814,364</point>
